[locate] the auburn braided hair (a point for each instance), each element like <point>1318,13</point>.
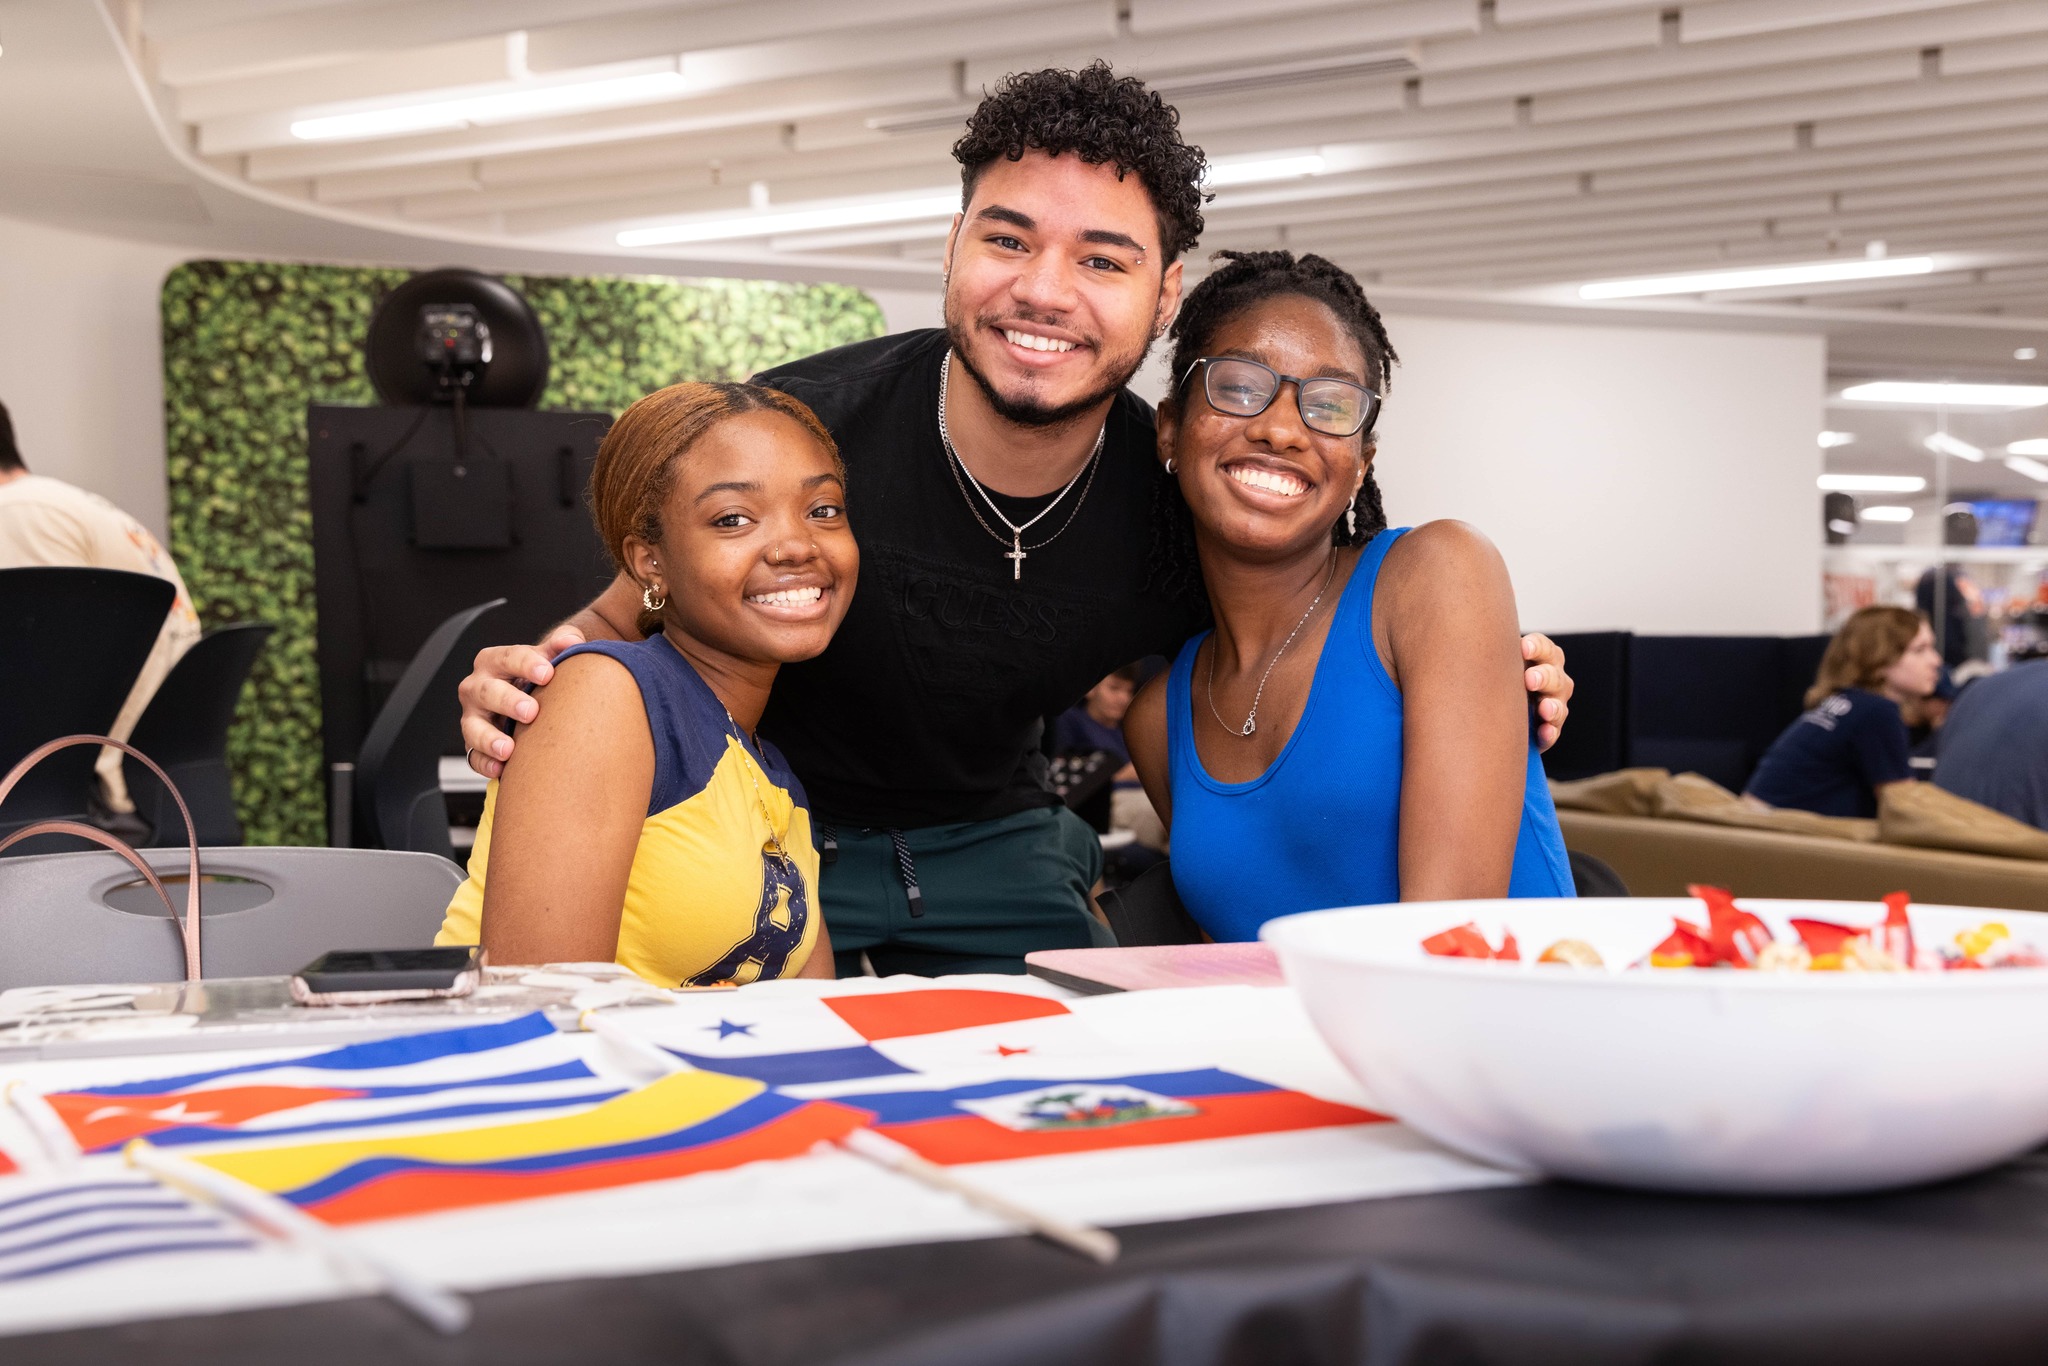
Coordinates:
<point>1248,277</point>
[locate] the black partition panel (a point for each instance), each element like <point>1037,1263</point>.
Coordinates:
<point>1701,704</point>
<point>1704,704</point>
<point>1595,738</point>
<point>407,531</point>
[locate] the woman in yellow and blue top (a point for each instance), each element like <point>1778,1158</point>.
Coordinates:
<point>643,821</point>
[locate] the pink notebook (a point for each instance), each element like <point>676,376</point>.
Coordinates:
<point>1167,965</point>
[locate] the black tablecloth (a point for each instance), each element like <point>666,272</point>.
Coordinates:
<point>1543,1274</point>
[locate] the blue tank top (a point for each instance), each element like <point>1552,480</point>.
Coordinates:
<point>1321,826</point>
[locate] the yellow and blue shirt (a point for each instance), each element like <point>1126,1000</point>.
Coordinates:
<point>707,900</point>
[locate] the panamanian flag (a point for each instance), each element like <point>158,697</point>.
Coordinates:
<point>972,1075</point>
<point>450,1076</point>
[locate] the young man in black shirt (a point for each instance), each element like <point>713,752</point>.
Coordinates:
<point>1016,534</point>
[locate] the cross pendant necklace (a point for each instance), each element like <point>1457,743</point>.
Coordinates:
<point>1018,551</point>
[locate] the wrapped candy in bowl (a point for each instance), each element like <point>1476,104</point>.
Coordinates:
<point>1711,1043</point>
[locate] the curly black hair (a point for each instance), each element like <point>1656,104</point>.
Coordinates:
<point>1247,277</point>
<point>1103,118</point>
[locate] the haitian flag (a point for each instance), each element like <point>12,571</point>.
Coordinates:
<point>1003,1120</point>
<point>442,1075</point>
<point>681,1125</point>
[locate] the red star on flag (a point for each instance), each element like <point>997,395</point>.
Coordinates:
<point>1005,1052</point>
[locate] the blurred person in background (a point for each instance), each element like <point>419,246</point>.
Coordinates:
<point>45,521</point>
<point>1962,604</point>
<point>1852,740</point>
<point>1924,718</point>
<point>1994,746</point>
<point>1097,724</point>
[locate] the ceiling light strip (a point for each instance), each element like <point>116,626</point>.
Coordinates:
<point>540,101</point>
<point>1872,483</point>
<point>1763,277</point>
<point>1922,394</point>
<point>938,204</point>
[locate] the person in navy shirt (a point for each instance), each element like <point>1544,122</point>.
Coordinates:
<point>1851,742</point>
<point>1994,749</point>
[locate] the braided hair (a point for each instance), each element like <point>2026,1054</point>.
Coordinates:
<point>1249,277</point>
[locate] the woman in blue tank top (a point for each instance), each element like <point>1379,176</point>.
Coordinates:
<point>1354,730</point>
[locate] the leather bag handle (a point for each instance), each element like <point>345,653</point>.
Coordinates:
<point>189,931</point>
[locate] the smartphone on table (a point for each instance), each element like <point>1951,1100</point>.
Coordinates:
<point>349,977</point>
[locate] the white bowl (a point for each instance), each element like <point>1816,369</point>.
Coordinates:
<point>1690,1080</point>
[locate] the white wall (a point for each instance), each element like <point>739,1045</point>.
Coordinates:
<point>81,360</point>
<point>1659,480</point>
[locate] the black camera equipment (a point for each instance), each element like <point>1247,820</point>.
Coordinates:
<point>451,493</point>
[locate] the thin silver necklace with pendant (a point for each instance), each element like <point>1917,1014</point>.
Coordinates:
<point>1018,550</point>
<point>774,839</point>
<point>1251,720</point>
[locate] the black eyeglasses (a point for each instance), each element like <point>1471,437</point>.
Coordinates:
<point>1245,388</point>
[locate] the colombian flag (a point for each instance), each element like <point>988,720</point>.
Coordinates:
<point>687,1123</point>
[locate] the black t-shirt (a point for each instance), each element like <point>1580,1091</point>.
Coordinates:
<point>1834,758</point>
<point>927,707</point>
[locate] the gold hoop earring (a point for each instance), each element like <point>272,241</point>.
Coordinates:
<point>651,602</point>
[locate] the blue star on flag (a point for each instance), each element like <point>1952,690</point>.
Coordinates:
<point>726,1029</point>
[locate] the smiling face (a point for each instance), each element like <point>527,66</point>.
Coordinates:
<point>1917,671</point>
<point>1055,285</point>
<point>755,556</point>
<point>1267,486</point>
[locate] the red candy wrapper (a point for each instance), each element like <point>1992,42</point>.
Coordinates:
<point>1684,947</point>
<point>1735,935</point>
<point>1467,941</point>
<point>1824,936</point>
<point>1895,936</point>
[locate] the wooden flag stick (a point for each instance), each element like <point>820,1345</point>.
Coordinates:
<point>644,1056</point>
<point>278,1218</point>
<point>1086,1239</point>
<point>41,1120</point>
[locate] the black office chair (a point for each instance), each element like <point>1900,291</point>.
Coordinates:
<point>1593,877</point>
<point>185,729</point>
<point>398,802</point>
<point>78,638</point>
<point>1147,911</point>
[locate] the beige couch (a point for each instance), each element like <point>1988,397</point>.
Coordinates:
<point>1657,856</point>
<point>1660,832</point>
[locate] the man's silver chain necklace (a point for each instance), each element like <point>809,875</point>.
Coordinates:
<point>1018,550</point>
<point>1251,720</point>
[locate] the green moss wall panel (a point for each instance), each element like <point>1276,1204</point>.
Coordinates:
<point>248,345</point>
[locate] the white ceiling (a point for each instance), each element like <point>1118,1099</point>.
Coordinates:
<point>1474,150</point>
<point>1515,142</point>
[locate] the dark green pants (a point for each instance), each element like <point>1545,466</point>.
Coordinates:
<point>989,893</point>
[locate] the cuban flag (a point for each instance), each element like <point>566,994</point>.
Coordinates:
<point>450,1075</point>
